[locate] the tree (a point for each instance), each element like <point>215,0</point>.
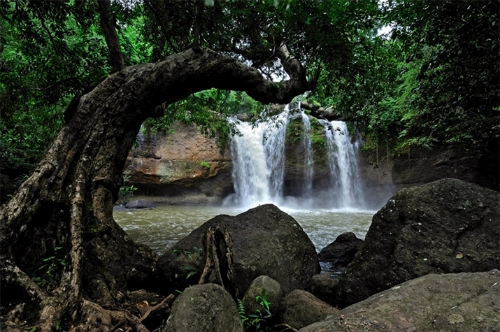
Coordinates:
<point>63,258</point>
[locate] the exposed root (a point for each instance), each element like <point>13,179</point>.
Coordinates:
<point>217,250</point>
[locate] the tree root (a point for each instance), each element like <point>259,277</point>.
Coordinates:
<point>217,251</point>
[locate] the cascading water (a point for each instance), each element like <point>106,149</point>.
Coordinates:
<point>308,158</point>
<point>258,161</point>
<point>259,165</point>
<point>346,189</point>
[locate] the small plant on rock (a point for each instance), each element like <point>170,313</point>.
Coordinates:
<point>126,191</point>
<point>258,321</point>
<point>204,164</point>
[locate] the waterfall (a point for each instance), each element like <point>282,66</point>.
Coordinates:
<point>345,186</point>
<point>259,167</point>
<point>258,161</point>
<point>308,158</point>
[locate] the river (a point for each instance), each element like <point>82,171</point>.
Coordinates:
<point>160,228</point>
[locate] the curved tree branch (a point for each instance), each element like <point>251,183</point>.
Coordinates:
<point>68,201</point>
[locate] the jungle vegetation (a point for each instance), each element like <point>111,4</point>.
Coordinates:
<point>432,79</point>
<point>78,78</point>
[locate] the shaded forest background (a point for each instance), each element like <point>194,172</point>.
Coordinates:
<point>431,81</point>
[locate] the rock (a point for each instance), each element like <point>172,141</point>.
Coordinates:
<point>324,287</point>
<point>183,165</point>
<point>119,208</point>
<point>273,293</point>
<point>446,302</point>
<point>447,226</point>
<point>266,241</point>
<point>301,308</point>
<point>340,252</point>
<point>140,204</point>
<point>204,308</point>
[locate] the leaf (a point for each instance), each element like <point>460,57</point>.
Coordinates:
<point>459,256</point>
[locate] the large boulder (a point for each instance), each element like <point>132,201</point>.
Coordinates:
<point>266,241</point>
<point>447,302</point>
<point>340,252</point>
<point>324,287</point>
<point>300,308</point>
<point>204,308</point>
<point>447,226</point>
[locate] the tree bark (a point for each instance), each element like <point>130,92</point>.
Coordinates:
<point>108,27</point>
<point>63,257</point>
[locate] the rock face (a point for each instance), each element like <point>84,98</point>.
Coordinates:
<point>301,308</point>
<point>340,252</point>
<point>381,169</point>
<point>204,308</point>
<point>266,241</point>
<point>447,302</point>
<point>186,167</point>
<point>446,226</point>
<point>183,165</point>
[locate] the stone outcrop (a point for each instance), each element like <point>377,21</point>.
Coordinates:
<point>186,167</point>
<point>446,302</point>
<point>340,252</point>
<point>204,308</point>
<point>301,308</point>
<point>446,226</point>
<point>183,165</point>
<point>266,241</point>
<point>381,169</point>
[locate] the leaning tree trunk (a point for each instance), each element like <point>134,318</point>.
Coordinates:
<point>63,257</point>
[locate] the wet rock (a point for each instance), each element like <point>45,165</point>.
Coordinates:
<point>266,241</point>
<point>340,252</point>
<point>272,290</point>
<point>301,308</point>
<point>447,226</point>
<point>140,204</point>
<point>324,287</point>
<point>447,302</point>
<point>204,308</point>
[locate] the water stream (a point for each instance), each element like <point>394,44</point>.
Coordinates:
<point>162,227</point>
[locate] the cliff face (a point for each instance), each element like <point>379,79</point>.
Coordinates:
<point>186,167</point>
<point>183,165</point>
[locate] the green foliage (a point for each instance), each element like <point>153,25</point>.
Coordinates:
<point>191,256</point>
<point>434,80</point>
<point>49,270</point>
<point>208,110</point>
<point>258,321</point>
<point>126,192</point>
<point>204,164</point>
<point>449,86</point>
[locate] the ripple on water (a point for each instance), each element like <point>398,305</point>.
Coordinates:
<point>162,227</point>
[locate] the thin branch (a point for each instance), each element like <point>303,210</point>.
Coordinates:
<point>108,26</point>
<point>162,26</point>
<point>197,26</point>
